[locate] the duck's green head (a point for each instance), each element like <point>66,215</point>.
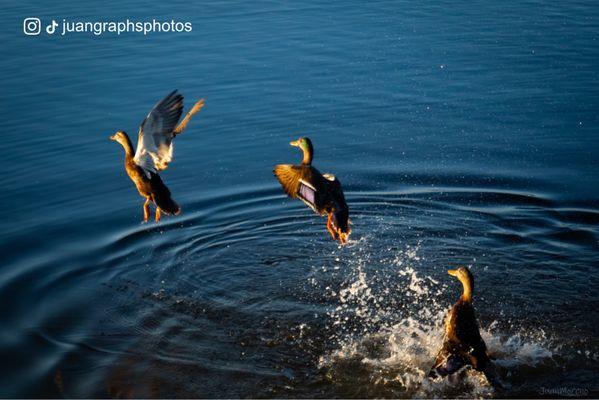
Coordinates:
<point>305,144</point>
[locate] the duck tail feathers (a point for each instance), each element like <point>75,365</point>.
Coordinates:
<point>166,204</point>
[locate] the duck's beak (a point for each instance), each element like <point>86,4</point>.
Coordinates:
<point>113,137</point>
<point>295,143</point>
<point>453,272</point>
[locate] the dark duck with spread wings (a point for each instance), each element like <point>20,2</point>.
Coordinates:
<point>321,192</point>
<point>154,152</point>
<point>462,343</point>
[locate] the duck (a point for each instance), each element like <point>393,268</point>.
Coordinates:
<point>154,152</point>
<point>321,192</point>
<point>462,342</point>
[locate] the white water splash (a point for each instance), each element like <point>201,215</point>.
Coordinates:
<point>390,330</point>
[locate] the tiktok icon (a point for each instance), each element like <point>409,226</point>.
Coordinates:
<point>50,29</point>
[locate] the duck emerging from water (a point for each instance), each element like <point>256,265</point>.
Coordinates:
<point>321,192</point>
<point>154,152</point>
<point>462,343</point>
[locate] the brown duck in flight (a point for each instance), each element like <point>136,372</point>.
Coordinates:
<point>462,343</point>
<point>154,152</point>
<point>321,192</point>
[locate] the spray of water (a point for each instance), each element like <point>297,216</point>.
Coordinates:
<point>387,328</point>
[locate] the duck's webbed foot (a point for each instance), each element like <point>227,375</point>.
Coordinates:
<point>158,214</point>
<point>331,228</point>
<point>146,210</point>
<point>343,237</point>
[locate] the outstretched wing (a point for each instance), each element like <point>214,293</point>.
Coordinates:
<point>308,194</point>
<point>154,144</point>
<point>295,181</point>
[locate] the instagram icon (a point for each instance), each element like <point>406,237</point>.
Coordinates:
<point>32,26</point>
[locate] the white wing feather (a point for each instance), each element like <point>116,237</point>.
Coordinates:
<point>155,140</point>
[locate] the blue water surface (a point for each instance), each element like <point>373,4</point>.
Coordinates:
<point>463,133</point>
